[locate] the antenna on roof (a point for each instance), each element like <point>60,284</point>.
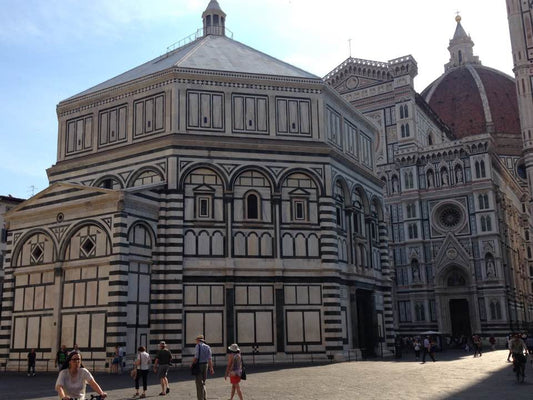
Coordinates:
<point>32,188</point>
<point>350,47</point>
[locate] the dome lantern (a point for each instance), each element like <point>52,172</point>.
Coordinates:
<point>214,19</point>
<point>461,48</point>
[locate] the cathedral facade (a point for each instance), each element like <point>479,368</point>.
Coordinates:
<point>456,194</point>
<point>214,190</point>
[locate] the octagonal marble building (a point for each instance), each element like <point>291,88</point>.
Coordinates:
<point>212,190</point>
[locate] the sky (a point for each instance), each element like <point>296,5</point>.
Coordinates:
<point>53,49</point>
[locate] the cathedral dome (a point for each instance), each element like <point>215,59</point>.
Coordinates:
<point>472,99</point>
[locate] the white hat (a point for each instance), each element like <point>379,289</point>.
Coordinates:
<point>234,348</point>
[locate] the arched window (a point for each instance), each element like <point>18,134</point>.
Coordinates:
<point>482,169</point>
<point>445,178</point>
<point>339,205</point>
<point>486,223</point>
<point>430,139</point>
<point>415,270</point>
<point>478,171</point>
<point>406,111</point>
<point>403,130</point>
<point>408,179</point>
<point>412,231</point>
<point>419,312</point>
<point>495,310</point>
<point>483,200</point>
<point>411,210</point>
<point>358,215</point>
<point>252,206</point>
<point>401,112</point>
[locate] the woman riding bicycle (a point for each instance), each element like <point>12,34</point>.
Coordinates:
<point>72,380</point>
<point>519,351</point>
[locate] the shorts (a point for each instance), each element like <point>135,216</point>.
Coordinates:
<point>234,379</point>
<point>162,371</point>
<point>116,360</point>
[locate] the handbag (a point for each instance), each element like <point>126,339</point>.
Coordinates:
<point>133,373</point>
<point>243,371</point>
<point>195,367</point>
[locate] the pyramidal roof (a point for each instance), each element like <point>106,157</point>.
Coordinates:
<point>213,52</point>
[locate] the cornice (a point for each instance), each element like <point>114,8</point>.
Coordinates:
<point>82,103</point>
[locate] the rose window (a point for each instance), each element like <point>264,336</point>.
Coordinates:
<point>449,216</point>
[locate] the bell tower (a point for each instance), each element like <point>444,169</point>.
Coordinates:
<point>520,17</point>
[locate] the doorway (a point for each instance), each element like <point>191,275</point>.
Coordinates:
<point>460,318</point>
<point>366,323</point>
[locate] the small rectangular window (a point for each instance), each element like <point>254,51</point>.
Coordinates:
<point>299,210</point>
<point>204,207</point>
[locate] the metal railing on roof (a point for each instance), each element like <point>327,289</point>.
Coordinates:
<point>198,34</point>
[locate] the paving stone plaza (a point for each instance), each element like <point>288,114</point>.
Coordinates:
<point>455,375</point>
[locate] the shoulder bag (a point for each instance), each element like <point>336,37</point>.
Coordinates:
<point>195,367</point>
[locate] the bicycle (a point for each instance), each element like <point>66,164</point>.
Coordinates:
<point>519,366</point>
<point>93,397</point>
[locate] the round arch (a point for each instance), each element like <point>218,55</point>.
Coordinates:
<point>75,228</point>
<point>104,178</point>
<point>379,207</point>
<point>22,240</point>
<point>239,171</point>
<point>344,185</point>
<point>212,167</point>
<point>142,170</point>
<point>360,190</point>
<point>311,174</point>
<point>145,225</point>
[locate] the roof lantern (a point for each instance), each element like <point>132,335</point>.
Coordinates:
<point>214,20</point>
<point>461,48</point>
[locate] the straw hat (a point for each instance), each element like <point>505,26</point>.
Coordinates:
<point>200,338</point>
<point>234,348</point>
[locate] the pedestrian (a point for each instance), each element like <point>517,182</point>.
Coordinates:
<point>61,357</point>
<point>72,380</point>
<point>115,361</point>
<point>416,347</point>
<point>202,356</point>
<point>234,370</point>
<point>427,350</point>
<point>142,363</point>
<point>492,341</point>
<point>476,340</point>
<point>31,362</point>
<point>509,338</point>
<point>529,344</point>
<point>161,366</point>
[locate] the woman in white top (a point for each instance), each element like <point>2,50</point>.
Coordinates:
<point>142,363</point>
<point>72,380</point>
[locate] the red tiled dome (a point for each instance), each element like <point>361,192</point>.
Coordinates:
<point>473,99</point>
